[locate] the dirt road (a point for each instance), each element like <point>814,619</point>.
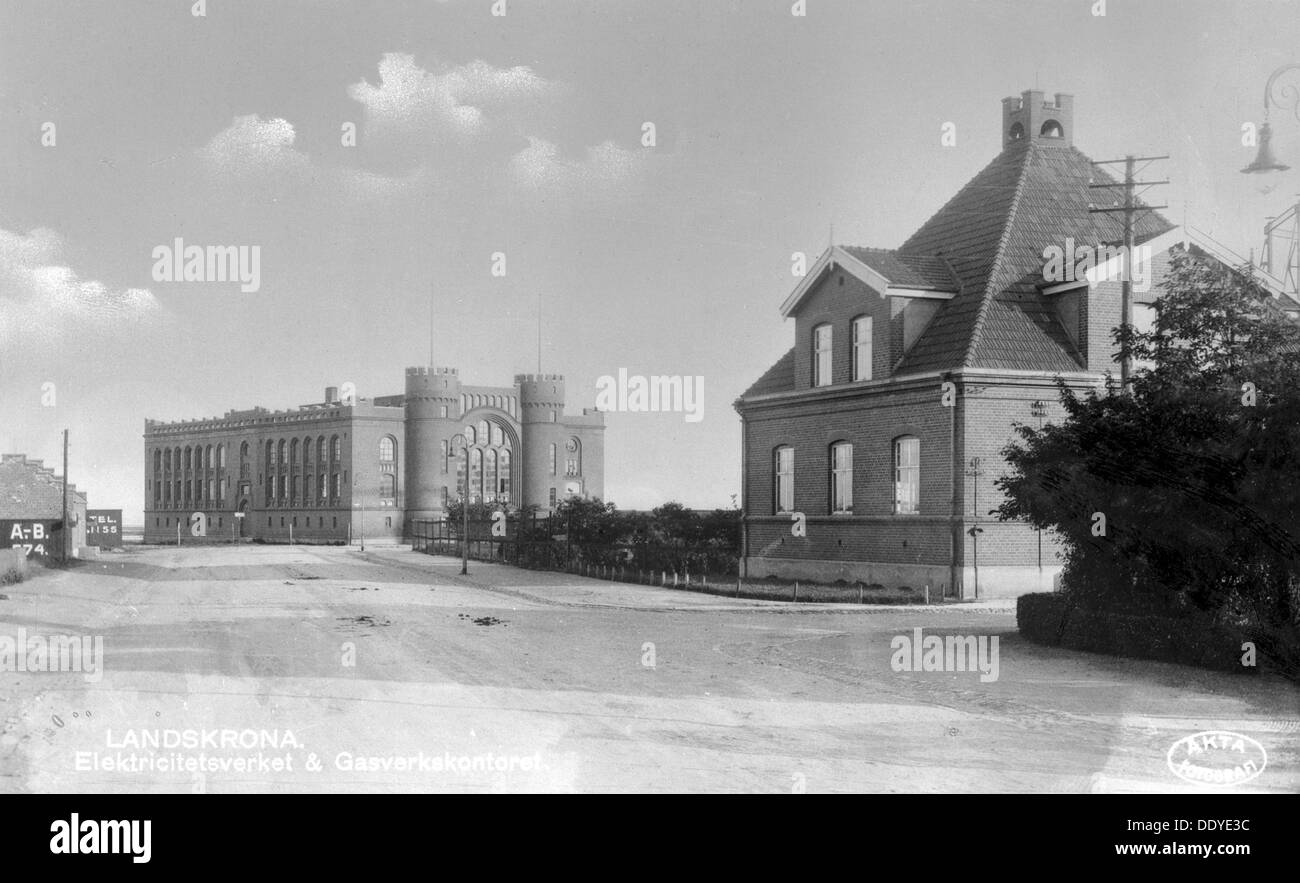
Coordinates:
<point>326,669</point>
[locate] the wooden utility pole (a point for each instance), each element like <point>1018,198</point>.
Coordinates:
<point>64,531</point>
<point>1130,207</point>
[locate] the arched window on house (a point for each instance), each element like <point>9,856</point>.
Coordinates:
<point>841,478</point>
<point>907,475</point>
<point>783,479</point>
<point>862,348</point>
<point>387,450</point>
<point>821,362</point>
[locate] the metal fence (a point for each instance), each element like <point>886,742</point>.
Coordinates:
<point>555,543</point>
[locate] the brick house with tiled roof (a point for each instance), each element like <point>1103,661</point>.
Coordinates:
<point>871,447</point>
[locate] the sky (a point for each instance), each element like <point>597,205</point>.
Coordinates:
<point>127,125</point>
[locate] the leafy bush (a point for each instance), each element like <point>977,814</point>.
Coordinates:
<point>1179,498</point>
<point>1056,619</point>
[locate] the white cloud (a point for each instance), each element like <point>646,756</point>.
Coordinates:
<point>604,166</point>
<point>44,302</point>
<point>251,147</point>
<point>448,102</point>
<point>251,144</point>
<point>470,106</point>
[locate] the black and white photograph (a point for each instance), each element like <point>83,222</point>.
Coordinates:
<point>651,397</point>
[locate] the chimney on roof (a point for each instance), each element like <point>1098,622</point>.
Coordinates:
<point>331,395</point>
<point>1031,117</point>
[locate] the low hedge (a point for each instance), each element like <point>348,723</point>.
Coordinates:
<point>13,566</point>
<point>1057,620</point>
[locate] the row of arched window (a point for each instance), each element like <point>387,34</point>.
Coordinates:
<point>179,493</point>
<point>906,467</point>
<point>489,475</point>
<point>321,489</point>
<point>279,455</point>
<point>189,458</point>
<point>291,453</point>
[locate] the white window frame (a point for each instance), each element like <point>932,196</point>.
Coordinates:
<point>862,328</point>
<point>841,456</point>
<point>907,476</point>
<point>783,479</point>
<point>823,356</point>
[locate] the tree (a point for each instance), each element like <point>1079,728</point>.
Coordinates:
<point>1195,475</point>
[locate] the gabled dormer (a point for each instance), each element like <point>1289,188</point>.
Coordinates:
<point>858,310</point>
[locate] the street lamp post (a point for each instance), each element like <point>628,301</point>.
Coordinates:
<point>1264,159</point>
<point>459,441</point>
<point>1039,409</point>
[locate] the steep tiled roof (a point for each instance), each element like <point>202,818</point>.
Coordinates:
<point>987,244</point>
<point>1035,193</point>
<point>907,270</point>
<point>778,378</point>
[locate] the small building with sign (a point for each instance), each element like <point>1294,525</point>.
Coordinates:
<point>104,528</point>
<point>31,509</point>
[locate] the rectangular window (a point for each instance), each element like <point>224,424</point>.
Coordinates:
<point>907,475</point>
<point>388,521</point>
<point>571,466</point>
<point>552,498</point>
<point>552,459</point>
<point>842,478</point>
<point>862,348</point>
<point>443,445</point>
<point>822,355</point>
<point>338,485</point>
<point>784,479</point>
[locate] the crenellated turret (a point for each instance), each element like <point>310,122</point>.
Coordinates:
<point>432,403</point>
<point>541,397</point>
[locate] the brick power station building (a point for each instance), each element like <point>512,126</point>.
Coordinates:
<point>883,425</point>
<point>340,469</point>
